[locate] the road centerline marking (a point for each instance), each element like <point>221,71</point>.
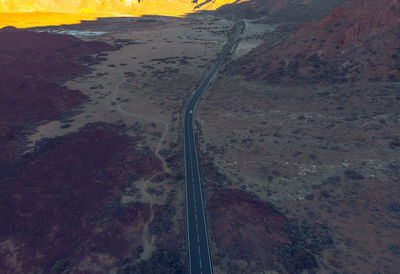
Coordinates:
<point>190,151</point>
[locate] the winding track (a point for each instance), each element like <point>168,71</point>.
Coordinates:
<point>138,116</point>
<point>199,250</point>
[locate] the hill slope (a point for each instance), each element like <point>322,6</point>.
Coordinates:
<point>356,41</point>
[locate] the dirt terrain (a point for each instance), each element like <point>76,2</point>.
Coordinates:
<point>297,178</point>
<point>316,153</point>
<point>147,80</point>
<point>96,182</point>
<point>257,236</point>
<point>324,158</point>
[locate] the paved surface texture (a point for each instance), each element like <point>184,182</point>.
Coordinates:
<point>199,250</point>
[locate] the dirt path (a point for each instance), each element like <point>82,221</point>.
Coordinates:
<point>165,124</point>
<point>148,239</point>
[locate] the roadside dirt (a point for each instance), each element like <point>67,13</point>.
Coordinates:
<point>142,87</point>
<point>323,154</point>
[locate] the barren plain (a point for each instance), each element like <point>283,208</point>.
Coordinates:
<point>119,141</point>
<point>302,177</point>
<point>300,171</point>
<point>324,155</point>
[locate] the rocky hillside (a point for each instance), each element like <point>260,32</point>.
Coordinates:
<point>358,40</point>
<point>280,11</point>
<point>252,9</point>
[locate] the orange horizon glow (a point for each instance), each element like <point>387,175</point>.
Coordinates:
<point>37,13</point>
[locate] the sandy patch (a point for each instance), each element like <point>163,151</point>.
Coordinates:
<point>251,37</point>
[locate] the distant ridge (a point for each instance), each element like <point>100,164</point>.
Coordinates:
<point>31,13</point>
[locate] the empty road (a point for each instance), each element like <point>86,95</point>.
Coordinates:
<point>199,250</point>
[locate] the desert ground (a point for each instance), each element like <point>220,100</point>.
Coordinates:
<point>158,63</point>
<point>300,172</point>
<point>145,83</point>
<point>136,90</point>
<point>326,156</point>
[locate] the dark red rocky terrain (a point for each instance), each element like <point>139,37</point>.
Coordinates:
<point>356,41</point>
<point>245,227</point>
<point>320,97</point>
<point>61,208</point>
<point>279,11</point>
<point>60,205</point>
<point>252,9</point>
<point>31,66</point>
<point>249,230</point>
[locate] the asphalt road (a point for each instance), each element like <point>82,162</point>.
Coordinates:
<point>199,250</point>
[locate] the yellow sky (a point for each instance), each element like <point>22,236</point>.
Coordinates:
<point>33,13</point>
